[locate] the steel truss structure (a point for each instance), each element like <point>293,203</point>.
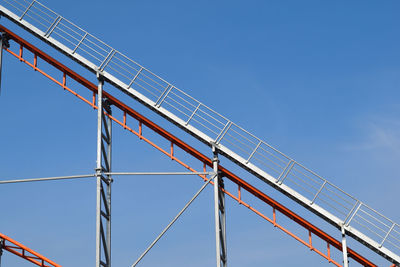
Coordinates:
<point>103,207</point>
<point>175,143</point>
<point>220,216</point>
<point>286,175</point>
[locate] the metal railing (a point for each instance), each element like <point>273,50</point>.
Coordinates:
<point>351,211</point>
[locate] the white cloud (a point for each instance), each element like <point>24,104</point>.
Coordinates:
<point>380,134</point>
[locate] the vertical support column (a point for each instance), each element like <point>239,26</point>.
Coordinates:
<point>1,248</point>
<point>220,218</point>
<point>107,107</point>
<point>344,249</point>
<point>1,55</point>
<point>3,43</point>
<point>103,165</point>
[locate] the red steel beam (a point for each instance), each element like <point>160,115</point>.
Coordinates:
<point>24,252</point>
<point>184,146</point>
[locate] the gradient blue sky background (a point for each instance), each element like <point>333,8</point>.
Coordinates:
<point>317,79</point>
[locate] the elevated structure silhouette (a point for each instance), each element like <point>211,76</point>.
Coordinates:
<point>349,215</point>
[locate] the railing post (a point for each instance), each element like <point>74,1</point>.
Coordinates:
<point>135,77</point>
<point>80,42</point>
<point>354,213</point>
<point>319,191</point>
<point>350,212</point>
<point>220,218</point>
<point>103,202</point>
<point>224,130</point>
<point>52,26</point>
<point>27,9</point>
<point>254,151</point>
<point>106,60</point>
<point>387,235</point>
<point>163,94</point>
<point>194,112</point>
<point>285,172</point>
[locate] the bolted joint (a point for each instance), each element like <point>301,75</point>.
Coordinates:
<point>215,152</point>
<point>214,147</point>
<point>99,171</point>
<point>99,76</point>
<point>107,105</point>
<point>221,182</point>
<point>110,179</point>
<point>215,159</point>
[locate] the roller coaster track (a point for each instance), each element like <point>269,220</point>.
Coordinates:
<point>66,74</point>
<point>318,195</point>
<point>16,248</point>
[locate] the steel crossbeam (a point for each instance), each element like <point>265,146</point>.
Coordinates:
<point>177,143</point>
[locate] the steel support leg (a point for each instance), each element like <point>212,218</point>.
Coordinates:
<point>3,43</point>
<point>344,249</point>
<point>220,219</point>
<point>1,248</point>
<point>1,55</point>
<point>104,180</point>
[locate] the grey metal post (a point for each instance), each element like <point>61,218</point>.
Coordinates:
<point>3,43</point>
<point>344,249</point>
<point>1,249</point>
<point>220,218</point>
<point>109,129</point>
<point>1,56</point>
<point>103,165</point>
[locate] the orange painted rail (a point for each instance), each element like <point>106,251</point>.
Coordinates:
<point>175,142</point>
<point>24,252</point>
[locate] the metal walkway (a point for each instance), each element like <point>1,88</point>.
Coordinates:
<point>326,200</point>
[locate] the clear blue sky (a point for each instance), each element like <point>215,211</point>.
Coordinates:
<point>319,80</point>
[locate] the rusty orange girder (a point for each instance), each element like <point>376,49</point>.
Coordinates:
<point>24,252</point>
<point>176,142</point>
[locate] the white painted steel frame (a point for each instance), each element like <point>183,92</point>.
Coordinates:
<point>245,149</point>
<point>344,249</point>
